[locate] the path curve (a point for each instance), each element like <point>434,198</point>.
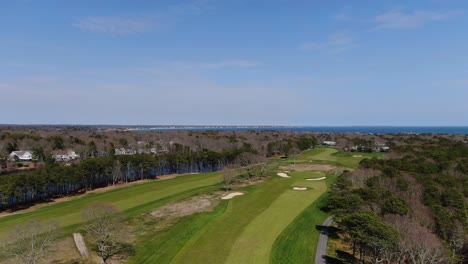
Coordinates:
<point>322,243</point>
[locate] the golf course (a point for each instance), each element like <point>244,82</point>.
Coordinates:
<point>274,221</point>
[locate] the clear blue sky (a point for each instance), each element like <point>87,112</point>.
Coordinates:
<point>275,62</point>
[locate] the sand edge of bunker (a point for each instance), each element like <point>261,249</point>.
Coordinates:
<point>231,195</point>
<point>300,188</point>
<point>316,179</point>
<point>283,175</point>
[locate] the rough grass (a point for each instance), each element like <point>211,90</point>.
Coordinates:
<point>298,241</point>
<point>163,246</point>
<point>133,200</point>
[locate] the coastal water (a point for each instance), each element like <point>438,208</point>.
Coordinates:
<point>325,129</point>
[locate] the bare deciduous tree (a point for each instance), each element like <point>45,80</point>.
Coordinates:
<point>456,239</point>
<point>104,228</point>
<point>230,174</point>
<point>417,244</point>
<point>28,242</point>
<point>116,172</point>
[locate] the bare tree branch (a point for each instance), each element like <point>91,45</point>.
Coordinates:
<point>28,242</point>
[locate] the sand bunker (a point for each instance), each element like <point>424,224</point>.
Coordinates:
<point>316,179</point>
<point>195,204</point>
<point>231,195</point>
<point>357,156</point>
<point>284,175</point>
<point>300,188</point>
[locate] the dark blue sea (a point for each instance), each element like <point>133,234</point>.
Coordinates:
<point>336,129</point>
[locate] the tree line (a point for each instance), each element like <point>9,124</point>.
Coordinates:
<point>407,209</point>
<point>54,181</point>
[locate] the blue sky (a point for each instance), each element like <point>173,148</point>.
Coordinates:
<point>230,62</point>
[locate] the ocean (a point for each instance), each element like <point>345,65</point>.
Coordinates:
<point>325,129</point>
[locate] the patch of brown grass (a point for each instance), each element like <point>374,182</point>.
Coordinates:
<point>192,205</point>
<point>309,167</point>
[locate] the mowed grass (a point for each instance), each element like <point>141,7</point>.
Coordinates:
<point>132,200</point>
<point>270,223</point>
<point>215,242</point>
<point>298,241</point>
<point>322,155</point>
<point>163,246</point>
<point>253,245</point>
<point>352,159</point>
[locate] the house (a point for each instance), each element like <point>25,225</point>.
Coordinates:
<point>329,143</point>
<point>124,151</point>
<point>143,151</point>
<point>21,155</point>
<point>64,155</point>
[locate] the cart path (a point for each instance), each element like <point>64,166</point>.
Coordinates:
<point>322,243</point>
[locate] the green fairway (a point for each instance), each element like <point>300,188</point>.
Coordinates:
<point>352,159</point>
<point>215,243</point>
<point>133,200</point>
<point>270,223</point>
<point>298,241</point>
<point>331,156</point>
<point>254,243</point>
<point>163,246</point>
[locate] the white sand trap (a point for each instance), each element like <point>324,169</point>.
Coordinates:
<point>231,195</point>
<point>300,188</point>
<point>317,179</point>
<point>357,156</point>
<point>284,175</point>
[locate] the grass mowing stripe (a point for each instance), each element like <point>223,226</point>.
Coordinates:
<point>215,244</point>
<point>162,247</point>
<point>258,237</point>
<point>69,213</point>
<point>298,242</point>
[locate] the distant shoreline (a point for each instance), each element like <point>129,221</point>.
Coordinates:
<point>321,129</point>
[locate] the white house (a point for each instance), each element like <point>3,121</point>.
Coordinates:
<point>329,143</point>
<point>21,155</point>
<point>123,151</point>
<point>64,155</point>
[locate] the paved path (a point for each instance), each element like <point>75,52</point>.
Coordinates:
<point>79,242</point>
<point>322,243</point>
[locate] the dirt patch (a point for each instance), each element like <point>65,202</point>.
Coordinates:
<point>196,204</point>
<point>63,251</point>
<point>313,167</point>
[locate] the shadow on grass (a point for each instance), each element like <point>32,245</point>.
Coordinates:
<point>331,231</point>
